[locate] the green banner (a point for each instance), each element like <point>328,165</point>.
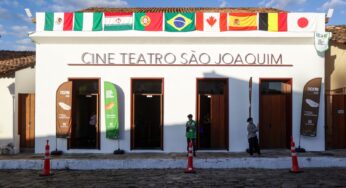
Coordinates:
<point>111,111</point>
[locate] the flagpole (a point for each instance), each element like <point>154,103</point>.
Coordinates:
<point>250,95</point>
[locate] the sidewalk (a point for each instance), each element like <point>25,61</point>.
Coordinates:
<point>270,159</point>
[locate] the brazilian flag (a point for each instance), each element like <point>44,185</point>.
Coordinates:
<point>180,22</point>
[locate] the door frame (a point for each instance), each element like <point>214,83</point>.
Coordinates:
<point>21,107</point>
<point>98,143</point>
<point>132,131</point>
<point>226,79</point>
<point>289,106</point>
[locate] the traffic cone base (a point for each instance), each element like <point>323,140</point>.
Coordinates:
<point>296,171</point>
<point>295,166</point>
<point>189,168</point>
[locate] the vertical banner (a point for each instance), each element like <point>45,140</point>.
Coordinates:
<point>310,107</point>
<point>63,109</point>
<point>250,95</point>
<point>111,111</point>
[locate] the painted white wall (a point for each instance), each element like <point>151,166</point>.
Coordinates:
<point>7,93</point>
<point>25,83</point>
<point>55,50</point>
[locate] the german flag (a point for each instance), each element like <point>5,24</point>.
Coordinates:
<point>242,21</point>
<point>275,22</point>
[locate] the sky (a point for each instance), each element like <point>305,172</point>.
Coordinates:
<point>15,25</point>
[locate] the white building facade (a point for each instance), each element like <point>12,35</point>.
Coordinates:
<point>166,76</point>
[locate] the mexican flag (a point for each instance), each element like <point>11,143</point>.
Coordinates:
<point>180,22</point>
<point>58,21</point>
<point>87,21</point>
<point>150,21</point>
<point>118,21</point>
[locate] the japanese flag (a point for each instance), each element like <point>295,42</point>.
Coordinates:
<point>302,22</point>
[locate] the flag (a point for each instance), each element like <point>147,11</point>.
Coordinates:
<point>242,21</point>
<point>180,22</point>
<point>276,22</point>
<point>87,21</point>
<point>111,110</point>
<point>302,22</point>
<point>212,22</point>
<point>58,21</point>
<point>118,21</point>
<point>150,21</point>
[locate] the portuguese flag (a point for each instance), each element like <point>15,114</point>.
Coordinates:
<point>150,21</point>
<point>275,22</point>
<point>88,21</point>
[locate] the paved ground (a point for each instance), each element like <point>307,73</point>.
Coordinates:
<point>325,177</point>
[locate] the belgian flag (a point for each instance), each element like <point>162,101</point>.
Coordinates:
<point>275,22</point>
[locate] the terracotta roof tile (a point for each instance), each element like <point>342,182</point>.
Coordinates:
<point>339,33</point>
<point>180,9</point>
<point>11,61</point>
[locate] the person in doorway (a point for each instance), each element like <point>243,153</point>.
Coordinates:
<point>252,137</point>
<point>191,133</point>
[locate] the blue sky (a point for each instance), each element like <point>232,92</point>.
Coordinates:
<point>14,25</point>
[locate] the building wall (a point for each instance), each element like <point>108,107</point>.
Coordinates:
<point>7,93</point>
<point>336,67</point>
<point>52,69</point>
<point>25,84</point>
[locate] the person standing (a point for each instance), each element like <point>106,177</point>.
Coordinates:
<point>191,133</point>
<point>252,137</point>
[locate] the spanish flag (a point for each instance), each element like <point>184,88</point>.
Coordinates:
<point>275,22</point>
<point>242,21</point>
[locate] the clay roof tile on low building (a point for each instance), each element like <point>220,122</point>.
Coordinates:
<point>11,61</point>
<point>339,33</point>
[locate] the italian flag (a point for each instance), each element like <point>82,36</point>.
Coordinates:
<point>87,21</point>
<point>58,21</point>
<point>117,21</point>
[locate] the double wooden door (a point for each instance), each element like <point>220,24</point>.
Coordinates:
<point>26,120</point>
<point>273,123</point>
<point>338,136</point>
<point>212,114</point>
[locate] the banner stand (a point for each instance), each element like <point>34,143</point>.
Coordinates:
<point>299,149</point>
<point>118,151</point>
<point>56,152</point>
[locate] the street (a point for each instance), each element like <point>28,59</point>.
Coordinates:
<point>318,177</point>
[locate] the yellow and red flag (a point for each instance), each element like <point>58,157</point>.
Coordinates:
<point>275,22</point>
<point>242,21</point>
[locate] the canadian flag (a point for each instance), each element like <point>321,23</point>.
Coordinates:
<point>302,22</point>
<point>211,22</point>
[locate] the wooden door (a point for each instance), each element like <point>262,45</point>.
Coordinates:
<point>273,123</point>
<point>218,122</point>
<point>26,120</point>
<point>338,122</point>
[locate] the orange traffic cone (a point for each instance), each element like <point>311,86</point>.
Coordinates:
<point>295,166</point>
<point>46,163</point>
<point>189,168</point>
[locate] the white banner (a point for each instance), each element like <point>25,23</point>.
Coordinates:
<point>322,41</point>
